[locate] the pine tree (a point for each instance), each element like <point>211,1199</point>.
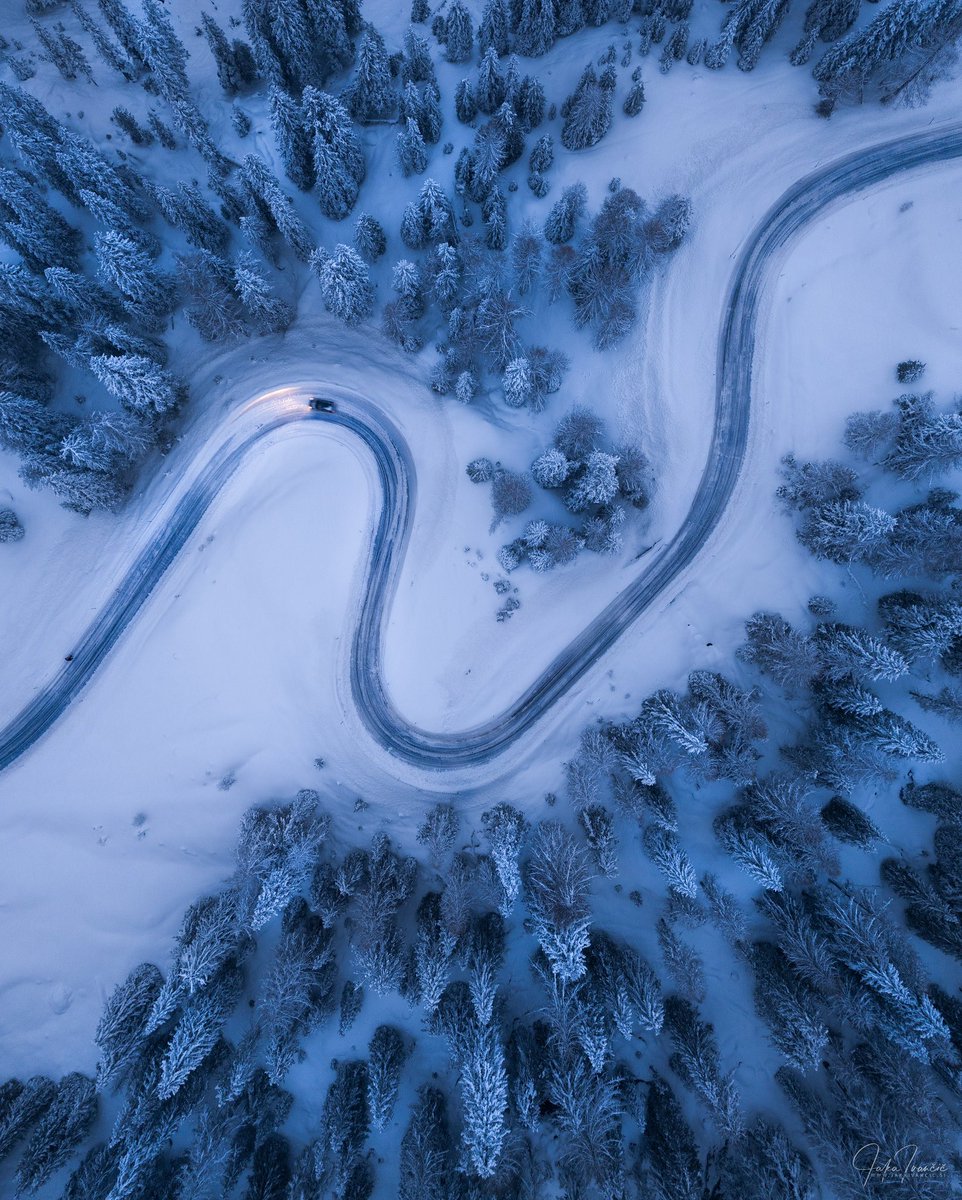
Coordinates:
<point>484,1095</point>
<point>28,1106</point>
<point>63,1126</point>
<point>293,142</point>
<point>345,1121</point>
<point>197,1032</point>
<point>120,1031</point>
<point>490,91</point>
<point>103,45</point>
<point>465,103</point>
<point>505,829</point>
<point>529,104</point>
<point>124,26</point>
<point>338,159</point>
<point>126,121</point>
<point>369,96</point>
<point>551,468</point>
<point>227,73</point>
<point>430,119</point>
<point>588,116</point>
<point>670,1148</point>
<point>438,832</point>
<point>386,1054</point>
<point>556,885</point>
<point>163,51</point>
<point>426,1159</point>
<point>480,470</point>
<point>147,294</point>
<point>635,99</point>
<point>188,211</point>
<point>459,34</point>
<point>265,309</point>
<point>269,198</point>
<point>495,215</point>
<point>352,1000</point>
<point>11,527</point>
<point>493,29</point>
<point>535,30</point>
<point>139,383</point>
<point>563,218</point>
<point>386,885</point>
<point>417,66</point>
<point>369,239</point>
<point>87,168</point>
<point>345,284</point>
<point>412,153</point>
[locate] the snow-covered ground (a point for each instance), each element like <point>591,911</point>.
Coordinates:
<point>113,823</point>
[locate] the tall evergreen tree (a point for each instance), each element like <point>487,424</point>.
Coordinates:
<point>369,96</point>
<point>459,33</point>
<point>412,153</point>
<point>293,142</point>
<point>138,382</point>
<point>338,158</point>
<point>493,29</point>
<point>345,284</point>
<point>535,32</point>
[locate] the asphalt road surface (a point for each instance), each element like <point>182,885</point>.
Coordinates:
<point>802,203</point>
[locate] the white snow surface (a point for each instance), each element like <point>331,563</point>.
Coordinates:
<point>237,667</point>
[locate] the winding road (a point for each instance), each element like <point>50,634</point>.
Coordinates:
<point>802,203</point>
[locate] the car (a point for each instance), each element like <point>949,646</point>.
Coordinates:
<point>319,404</point>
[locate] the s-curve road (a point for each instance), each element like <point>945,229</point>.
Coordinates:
<point>801,204</point>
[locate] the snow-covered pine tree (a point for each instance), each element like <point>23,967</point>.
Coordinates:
<point>338,158</point>
<point>484,1099</point>
<point>163,51</point>
<point>352,1000</point>
<point>111,55</point>
<point>138,382</point>
<point>266,311</point>
<point>493,29</point>
<point>370,95</point>
<point>551,468</point>
<point>386,1056</point>
<point>439,831</point>
<point>535,32</point>
<point>345,283</point>
<point>556,886</point>
<point>60,1130</point>
<point>494,213</point>
<point>227,74</point>
<point>369,238</point>
<point>26,1105</point>
<point>197,1032</point>
<point>426,1158</point>
<point>345,1122</point>
<point>147,294</point>
<point>292,139</point>
<point>120,1031</point>
<point>564,215</point>
<point>588,115</point>
<point>412,154</point>
<point>459,33</point>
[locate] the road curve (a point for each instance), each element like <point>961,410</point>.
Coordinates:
<point>803,202</point>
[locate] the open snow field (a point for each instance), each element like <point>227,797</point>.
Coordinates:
<point>237,667</point>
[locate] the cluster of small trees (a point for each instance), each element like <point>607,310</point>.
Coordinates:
<point>592,479</point>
